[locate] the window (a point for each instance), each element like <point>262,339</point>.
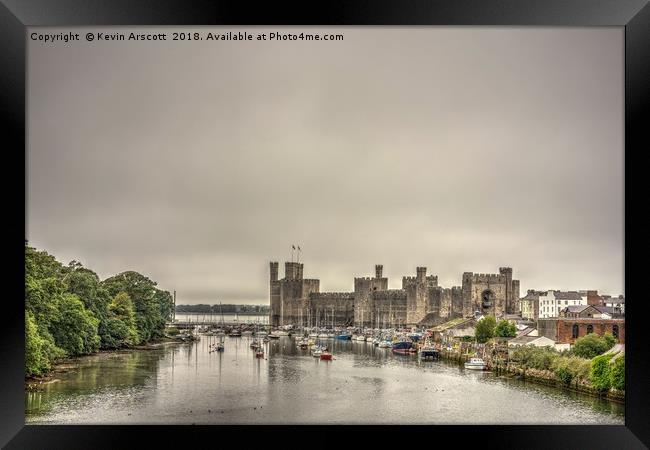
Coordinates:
<point>590,329</point>
<point>576,331</point>
<point>615,331</point>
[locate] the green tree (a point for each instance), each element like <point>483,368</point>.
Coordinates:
<point>36,357</point>
<point>121,326</point>
<point>600,372</point>
<point>152,306</point>
<point>617,373</point>
<point>485,329</point>
<point>505,328</point>
<point>592,345</point>
<point>75,329</point>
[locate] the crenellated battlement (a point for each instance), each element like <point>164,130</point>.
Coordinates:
<point>331,296</point>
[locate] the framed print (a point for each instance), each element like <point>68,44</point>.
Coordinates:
<point>415,216</point>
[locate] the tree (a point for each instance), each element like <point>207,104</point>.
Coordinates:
<point>485,329</point>
<point>36,358</point>
<point>505,328</point>
<point>592,345</point>
<point>600,372</point>
<point>75,329</point>
<point>617,373</point>
<point>121,326</point>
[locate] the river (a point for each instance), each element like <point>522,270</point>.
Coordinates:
<point>188,384</point>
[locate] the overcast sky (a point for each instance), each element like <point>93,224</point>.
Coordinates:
<point>458,149</point>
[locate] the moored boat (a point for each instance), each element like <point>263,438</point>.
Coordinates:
<point>326,355</point>
<point>475,364</point>
<point>402,346</point>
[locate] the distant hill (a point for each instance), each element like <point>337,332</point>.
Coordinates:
<point>227,309</point>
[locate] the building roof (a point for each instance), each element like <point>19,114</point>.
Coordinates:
<point>525,332</point>
<point>524,340</point>
<point>570,295</point>
<point>453,323</point>
<point>576,308</point>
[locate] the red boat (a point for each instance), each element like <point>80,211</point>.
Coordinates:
<point>259,354</point>
<point>325,355</point>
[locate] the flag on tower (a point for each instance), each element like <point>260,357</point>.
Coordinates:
<point>293,247</point>
<point>298,248</point>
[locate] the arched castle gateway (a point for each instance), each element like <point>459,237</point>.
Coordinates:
<point>296,300</point>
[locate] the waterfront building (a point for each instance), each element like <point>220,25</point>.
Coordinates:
<point>566,330</point>
<point>551,302</point>
<point>536,341</point>
<point>296,300</point>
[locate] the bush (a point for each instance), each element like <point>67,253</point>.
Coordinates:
<point>564,375</point>
<point>600,373</point>
<point>505,328</point>
<point>592,345</point>
<point>540,358</point>
<point>172,331</point>
<point>485,329</point>
<point>617,373</point>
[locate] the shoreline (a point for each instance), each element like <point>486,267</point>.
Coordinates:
<point>33,383</point>
<point>546,379</point>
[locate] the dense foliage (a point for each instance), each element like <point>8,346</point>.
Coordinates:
<point>592,345</point>
<point>505,328</point>
<point>69,311</point>
<point>601,372</point>
<point>485,329</point>
<point>617,373</point>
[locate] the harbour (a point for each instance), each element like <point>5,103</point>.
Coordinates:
<point>190,383</point>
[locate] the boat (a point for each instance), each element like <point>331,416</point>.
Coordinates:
<point>344,336</point>
<point>475,364</point>
<point>273,336</point>
<point>235,333</point>
<point>313,335</point>
<point>254,345</point>
<point>316,351</point>
<point>281,333</point>
<point>359,337</point>
<point>402,346</point>
<point>385,344</point>
<point>428,351</point>
<point>218,347</point>
<point>259,353</point>
<point>323,336</point>
<point>247,333</point>
<point>326,355</point>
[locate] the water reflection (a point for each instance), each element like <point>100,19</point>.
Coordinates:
<point>189,383</point>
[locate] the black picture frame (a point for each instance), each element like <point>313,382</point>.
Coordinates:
<point>634,15</point>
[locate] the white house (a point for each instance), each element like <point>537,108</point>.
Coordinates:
<point>552,302</point>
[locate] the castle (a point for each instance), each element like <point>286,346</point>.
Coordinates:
<point>420,302</point>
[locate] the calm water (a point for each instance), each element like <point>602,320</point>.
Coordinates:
<point>184,384</point>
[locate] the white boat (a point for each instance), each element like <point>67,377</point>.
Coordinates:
<point>316,352</point>
<point>281,333</point>
<point>385,344</point>
<point>313,335</point>
<point>323,336</point>
<point>274,335</point>
<point>475,364</point>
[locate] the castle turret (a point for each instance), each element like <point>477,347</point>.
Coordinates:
<point>274,271</point>
<point>421,274</point>
<point>293,271</point>
<point>378,270</point>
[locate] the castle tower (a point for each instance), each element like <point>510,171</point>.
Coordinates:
<point>378,270</point>
<point>421,274</point>
<point>293,270</point>
<point>507,272</point>
<point>274,271</point>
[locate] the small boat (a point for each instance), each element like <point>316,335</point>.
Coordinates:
<point>323,336</point>
<point>316,351</point>
<point>475,364</point>
<point>313,335</point>
<point>235,333</point>
<point>359,337</point>
<point>259,353</point>
<point>247,333</point>
<point>428,352</point>
<point>326,355</point>
<point>402,346</point>
<point>385,344</point>
<point>281,333</point>
<point>255,345</point>
<point>344,337</point>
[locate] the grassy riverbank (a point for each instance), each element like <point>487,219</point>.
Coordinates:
<point>581,380</point>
